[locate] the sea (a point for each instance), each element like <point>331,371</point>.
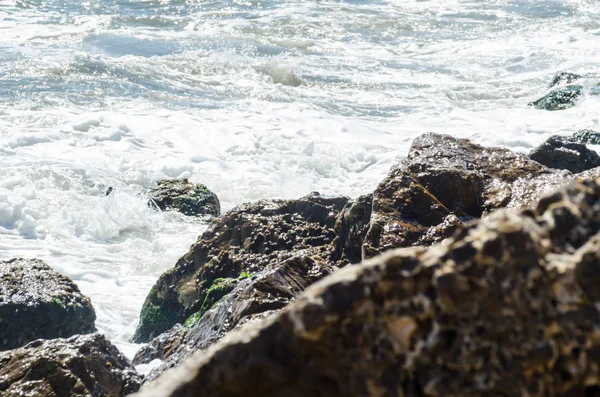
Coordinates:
<point>255,99</point>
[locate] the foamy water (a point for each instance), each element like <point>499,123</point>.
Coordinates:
<point>256,99</point>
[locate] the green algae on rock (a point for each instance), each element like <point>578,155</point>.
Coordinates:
<point>254,298</point>
<point>186,197</point>
<point>559,99</point>
<point>589,137</point>
<point>248,239</point>
<point>80,366</point>
<point>37,302</point>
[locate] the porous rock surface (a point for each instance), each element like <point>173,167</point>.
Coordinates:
<point>444,182</point>
<point>188,198</point>
<point>83,365</point>
<point>243,242</point>
<point>506,307</point>
<point>37,302</point>
<point>565,154</point>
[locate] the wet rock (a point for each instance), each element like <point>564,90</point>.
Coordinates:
<point>186,197</point>
<point>248,239</point>
<point>587,137</point>
<point>565,78</point>
<point>507,306</point>
<point>443,183</point>
<point>561,153</point>
<point>559,99</point>
<point>83,365</point>
<point>252,298</point>
<point>37,302</point>
<point>351,228</point>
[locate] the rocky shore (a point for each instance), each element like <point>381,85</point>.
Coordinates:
<point>468,271</point>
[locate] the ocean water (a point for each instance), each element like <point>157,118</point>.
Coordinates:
<point>255,99</point>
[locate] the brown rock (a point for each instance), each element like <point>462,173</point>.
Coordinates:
<point>83,365</point>
<point>505,307</point>
<point>445,182</point>
<point>245,241</point>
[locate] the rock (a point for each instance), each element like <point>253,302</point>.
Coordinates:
<point>508,306</point>
<point>186,197</point>
<point>248,239</point>
<point>559,99</point>
<point>351,228</point>
<point>443,183</point>
<point>83,365</point>
<point>37,302</point>
<point>565,78</point>
<point>587,137</point>
<point>563,154</point>
<point>252,298</point>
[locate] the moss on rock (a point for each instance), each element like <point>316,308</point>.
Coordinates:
<point>155,315</point>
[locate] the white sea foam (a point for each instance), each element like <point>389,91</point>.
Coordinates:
<point>269,99</point>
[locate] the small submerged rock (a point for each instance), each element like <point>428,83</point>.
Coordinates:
<point>564,154</point>
<point>83,365</point>
<point>559,99</point>
<point>565,78</point>
<point>188,198</point>
<point>587,137</point>
<point>37,302</point>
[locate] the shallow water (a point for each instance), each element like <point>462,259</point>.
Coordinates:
<point>255,99</point>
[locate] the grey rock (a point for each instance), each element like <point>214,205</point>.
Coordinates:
<point>37,302</point>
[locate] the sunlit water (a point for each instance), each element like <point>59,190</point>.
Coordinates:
<point>255,99</point>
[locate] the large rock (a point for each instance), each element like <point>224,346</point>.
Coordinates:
<point>559,99</point>
<point>507,307</point>
<point>564,154</point>
<point>252,298</point>
<point>37,302</point>
<point>83,365</point>
<point>443,183</point>
<point>186,197</point>
<point>246,240</point>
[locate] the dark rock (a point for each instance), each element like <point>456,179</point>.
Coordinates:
<point>587,137</point>
<point>443,183</point>
<point>559,99</point>
<point>351,228</point>
<point>186,197</point>
<point>563,154</point>
<point>252,298</point>
<point>506,307</point>
<point>83,365</point>
<point>564,78</point>
<point>248,239</point>
<point>37,302</point>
